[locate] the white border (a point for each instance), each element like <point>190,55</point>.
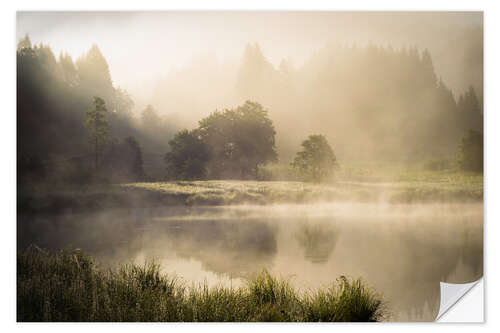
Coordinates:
<point>492,110</point>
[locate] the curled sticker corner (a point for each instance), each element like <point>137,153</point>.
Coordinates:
<point>451,293</point>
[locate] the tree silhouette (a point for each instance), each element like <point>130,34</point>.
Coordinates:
<point>96,122</point>
<point>240,140</point>
<point>187,157</point>
<point>470,152</point>
<point>123,161</point>
<point>317,160</point>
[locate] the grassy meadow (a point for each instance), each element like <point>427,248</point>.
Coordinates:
<point>384,185</point>
<point>408,188</point>
<point>70,286</point>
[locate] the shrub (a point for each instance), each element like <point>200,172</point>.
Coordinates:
<point>470,152</point>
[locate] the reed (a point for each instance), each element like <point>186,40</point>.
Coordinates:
<point>69,286</point>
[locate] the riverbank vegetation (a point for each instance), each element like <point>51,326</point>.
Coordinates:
<point>352,184</point>
<point>70,286</point>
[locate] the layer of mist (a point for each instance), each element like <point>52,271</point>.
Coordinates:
<point>403,251</point>
<point>382,86</point>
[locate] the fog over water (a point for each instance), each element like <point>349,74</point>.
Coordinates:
<point>403,251</point>
<point>387,91</point>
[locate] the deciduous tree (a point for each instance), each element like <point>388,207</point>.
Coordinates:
<point>317,160</point>
<point>188,156</point>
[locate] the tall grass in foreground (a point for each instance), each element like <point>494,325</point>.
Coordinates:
<point>68,286</point>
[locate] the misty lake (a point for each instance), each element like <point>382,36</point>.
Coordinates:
<point>403,251</point>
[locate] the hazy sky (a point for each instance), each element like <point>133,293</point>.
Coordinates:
<point>140,46</point>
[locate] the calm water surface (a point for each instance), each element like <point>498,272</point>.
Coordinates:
<point>403,251</point>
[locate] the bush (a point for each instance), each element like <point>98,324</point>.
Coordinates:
<point>470,152</point>
<point>345,301</point>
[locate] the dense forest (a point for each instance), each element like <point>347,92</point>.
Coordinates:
<point>53,97</point>
<point>371,102</point>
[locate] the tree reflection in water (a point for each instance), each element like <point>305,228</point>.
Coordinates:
<point>317,240</point>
